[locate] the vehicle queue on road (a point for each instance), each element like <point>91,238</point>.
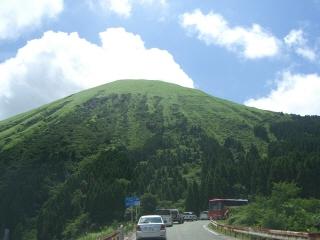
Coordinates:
<point>154,226</point>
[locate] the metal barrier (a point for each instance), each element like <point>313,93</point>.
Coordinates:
<point>263,233</point>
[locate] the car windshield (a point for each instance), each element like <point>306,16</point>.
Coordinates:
<point>163,212</point>
<point>150,220</point>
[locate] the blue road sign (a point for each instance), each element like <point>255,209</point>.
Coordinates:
<point>136,202</point>
<point>132,201</point>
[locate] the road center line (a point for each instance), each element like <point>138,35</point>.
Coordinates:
<point>211,231</point>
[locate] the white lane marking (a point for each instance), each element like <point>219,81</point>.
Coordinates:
<point>213,232</point>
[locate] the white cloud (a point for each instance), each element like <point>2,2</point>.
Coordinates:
<point>307,53</point>
<point>59,64</point>
<point>252,43</point>
<point>121,7</point>
<point>295,37</point>
<point>295,40</point>
<point>17,15</point>
<point>124,8</point>
<point>294,93</point>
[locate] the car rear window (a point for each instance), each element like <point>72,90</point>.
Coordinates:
<point>150,220</point>
<point>174,212</point>
<point>163,212</point>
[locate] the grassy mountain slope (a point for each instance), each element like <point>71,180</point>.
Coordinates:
<point>66,167</point>
<point>220,118</point>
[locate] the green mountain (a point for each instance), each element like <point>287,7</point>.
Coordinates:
<point>219,118</point>
<point>66,167</point>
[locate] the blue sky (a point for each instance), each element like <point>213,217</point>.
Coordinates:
<point>263,54</point>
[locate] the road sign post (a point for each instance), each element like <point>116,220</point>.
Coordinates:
<point>136,213</point>
<point>6,234</point>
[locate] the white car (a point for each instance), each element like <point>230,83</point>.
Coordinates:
<point>151,226</point>
<point>166,216</point>
<point>204,215</point>
<point>189,216</point>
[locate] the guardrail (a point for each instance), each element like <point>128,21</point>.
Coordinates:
<point>263,233</point>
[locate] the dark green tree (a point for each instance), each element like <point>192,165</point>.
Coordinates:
<point>149,203</point>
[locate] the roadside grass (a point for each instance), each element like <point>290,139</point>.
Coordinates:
<point>97,235</point>
<point>107,230</point>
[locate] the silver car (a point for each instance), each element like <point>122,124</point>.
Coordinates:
<point>189,216</point>
<point>204,215</point>
<point>166,216</point>
<point>151,226</point>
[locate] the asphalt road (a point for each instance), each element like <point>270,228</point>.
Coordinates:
<point>197,230</point>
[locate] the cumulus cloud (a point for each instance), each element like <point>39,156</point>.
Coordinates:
<point>124,8</point>
<point>17,15</point>
<point>294,93</point>
<point>254,42</point>
<point>59,64</point>
<point>295,40</point>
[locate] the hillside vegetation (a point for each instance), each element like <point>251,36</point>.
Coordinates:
<point>283,210</point>
<point>66,167</point>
